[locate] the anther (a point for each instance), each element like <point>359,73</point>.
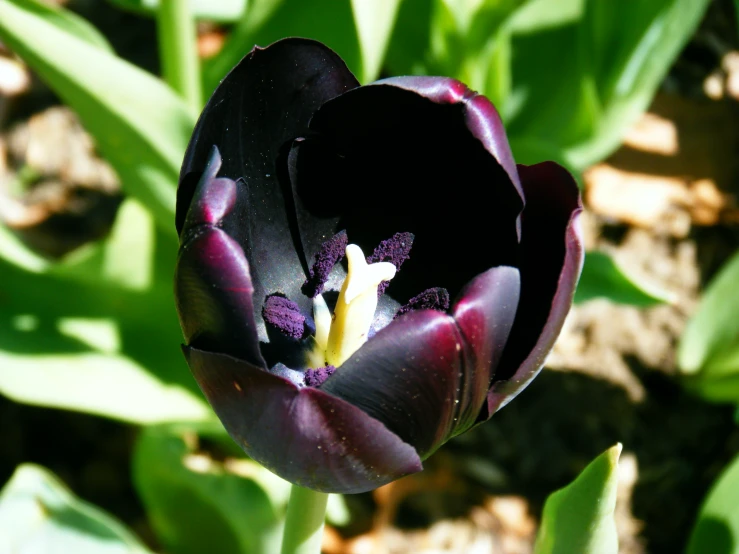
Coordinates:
<point>284,314</point>
<point>436,298</point>
<point>395,250</point>
<point>331,252</point>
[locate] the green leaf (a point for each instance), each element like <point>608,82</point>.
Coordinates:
<point>68,22</point>
<point>199,505</point>
<point>708,353</point>
<point>716,530</point>
<point>266,21</point>
<point>578,519</point>
<point>140,125</point>
<point>223,11</point>
<point>39,514</point>
<point>583,71</point>
<point>374,20</point>
<point>111,351</point>
<point>601,278</point>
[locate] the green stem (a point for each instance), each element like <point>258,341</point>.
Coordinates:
<point>306,512</point>
<point>178,51</point>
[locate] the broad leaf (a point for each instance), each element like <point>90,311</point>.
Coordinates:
<point>200,505</point>
<point>139,124</point>
<point>374,20</point>
<point>717,527</point>
<point>105,350</point>
<point>68,22</point>
<point>224,11</point>
<point>602,278</point>
<point>584,70</point>
<point>39,514</point>
<point>708,353</point>
<point>578,519</point>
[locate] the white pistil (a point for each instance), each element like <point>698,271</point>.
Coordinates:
<point>355,308</point>
<point>322,320</point>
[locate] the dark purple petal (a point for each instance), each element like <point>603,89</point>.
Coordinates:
<point>481,116</point>
<point>256,112</point>
<point>302,434</point>
<point>213,287</point>
<point>552,257</point>
<point>413,165</point>
<point>407,376</point>
<point>484,312</point>
<point>213,293</point>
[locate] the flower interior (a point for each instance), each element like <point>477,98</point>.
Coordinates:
<point>329,339</point>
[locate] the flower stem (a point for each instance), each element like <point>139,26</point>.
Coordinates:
<point>306,512</point>
<point>178,50</point>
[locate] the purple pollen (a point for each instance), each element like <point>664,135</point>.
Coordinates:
<point>316,377</point>
<point>284,314</point>
<point>436,298</point>
<point>331,252</point>
<point>395,250</point>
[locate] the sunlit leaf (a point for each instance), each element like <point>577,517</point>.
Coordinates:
<point>374,20</point>
<point>224,11</point>
<point>139,124</point>
<point>716,530</point>
<point>200,505</point>
<point>602,278</point>
<point>68,22</point>
<point>584,71</point>
<point>708,353</point>
<point>38,514</point>
<point>107,351</point>
<point>579,518</point>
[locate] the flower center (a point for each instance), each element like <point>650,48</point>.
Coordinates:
<point>339,337</point>
<point>327,340</point>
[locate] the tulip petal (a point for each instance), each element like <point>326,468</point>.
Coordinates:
<point>264,103</point>
<point>213,293</point>
<point>407,376</point>
<point>485,312</point>
<point>552,257</point>
<point>303,435</point>
<point>480,114</point>
<point>396,154</point>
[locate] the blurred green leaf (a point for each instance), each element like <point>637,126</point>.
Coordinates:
<point>601,278</point>
<point>223,11</point>
<point>105,350</point>
<point>708,353</point>
<point>68,22</point>
<point>39,514</point>
<point>578,519</point>
<point>266,21</point>
<point>583,70</point>
<point>374,20</point>
<point>139,124</point>
<point>199,505</point>
<point>716,530</point>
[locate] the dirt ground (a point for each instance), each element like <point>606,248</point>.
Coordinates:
<point>665,205</point>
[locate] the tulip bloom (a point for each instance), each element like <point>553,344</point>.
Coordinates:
<point>324,227</point>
